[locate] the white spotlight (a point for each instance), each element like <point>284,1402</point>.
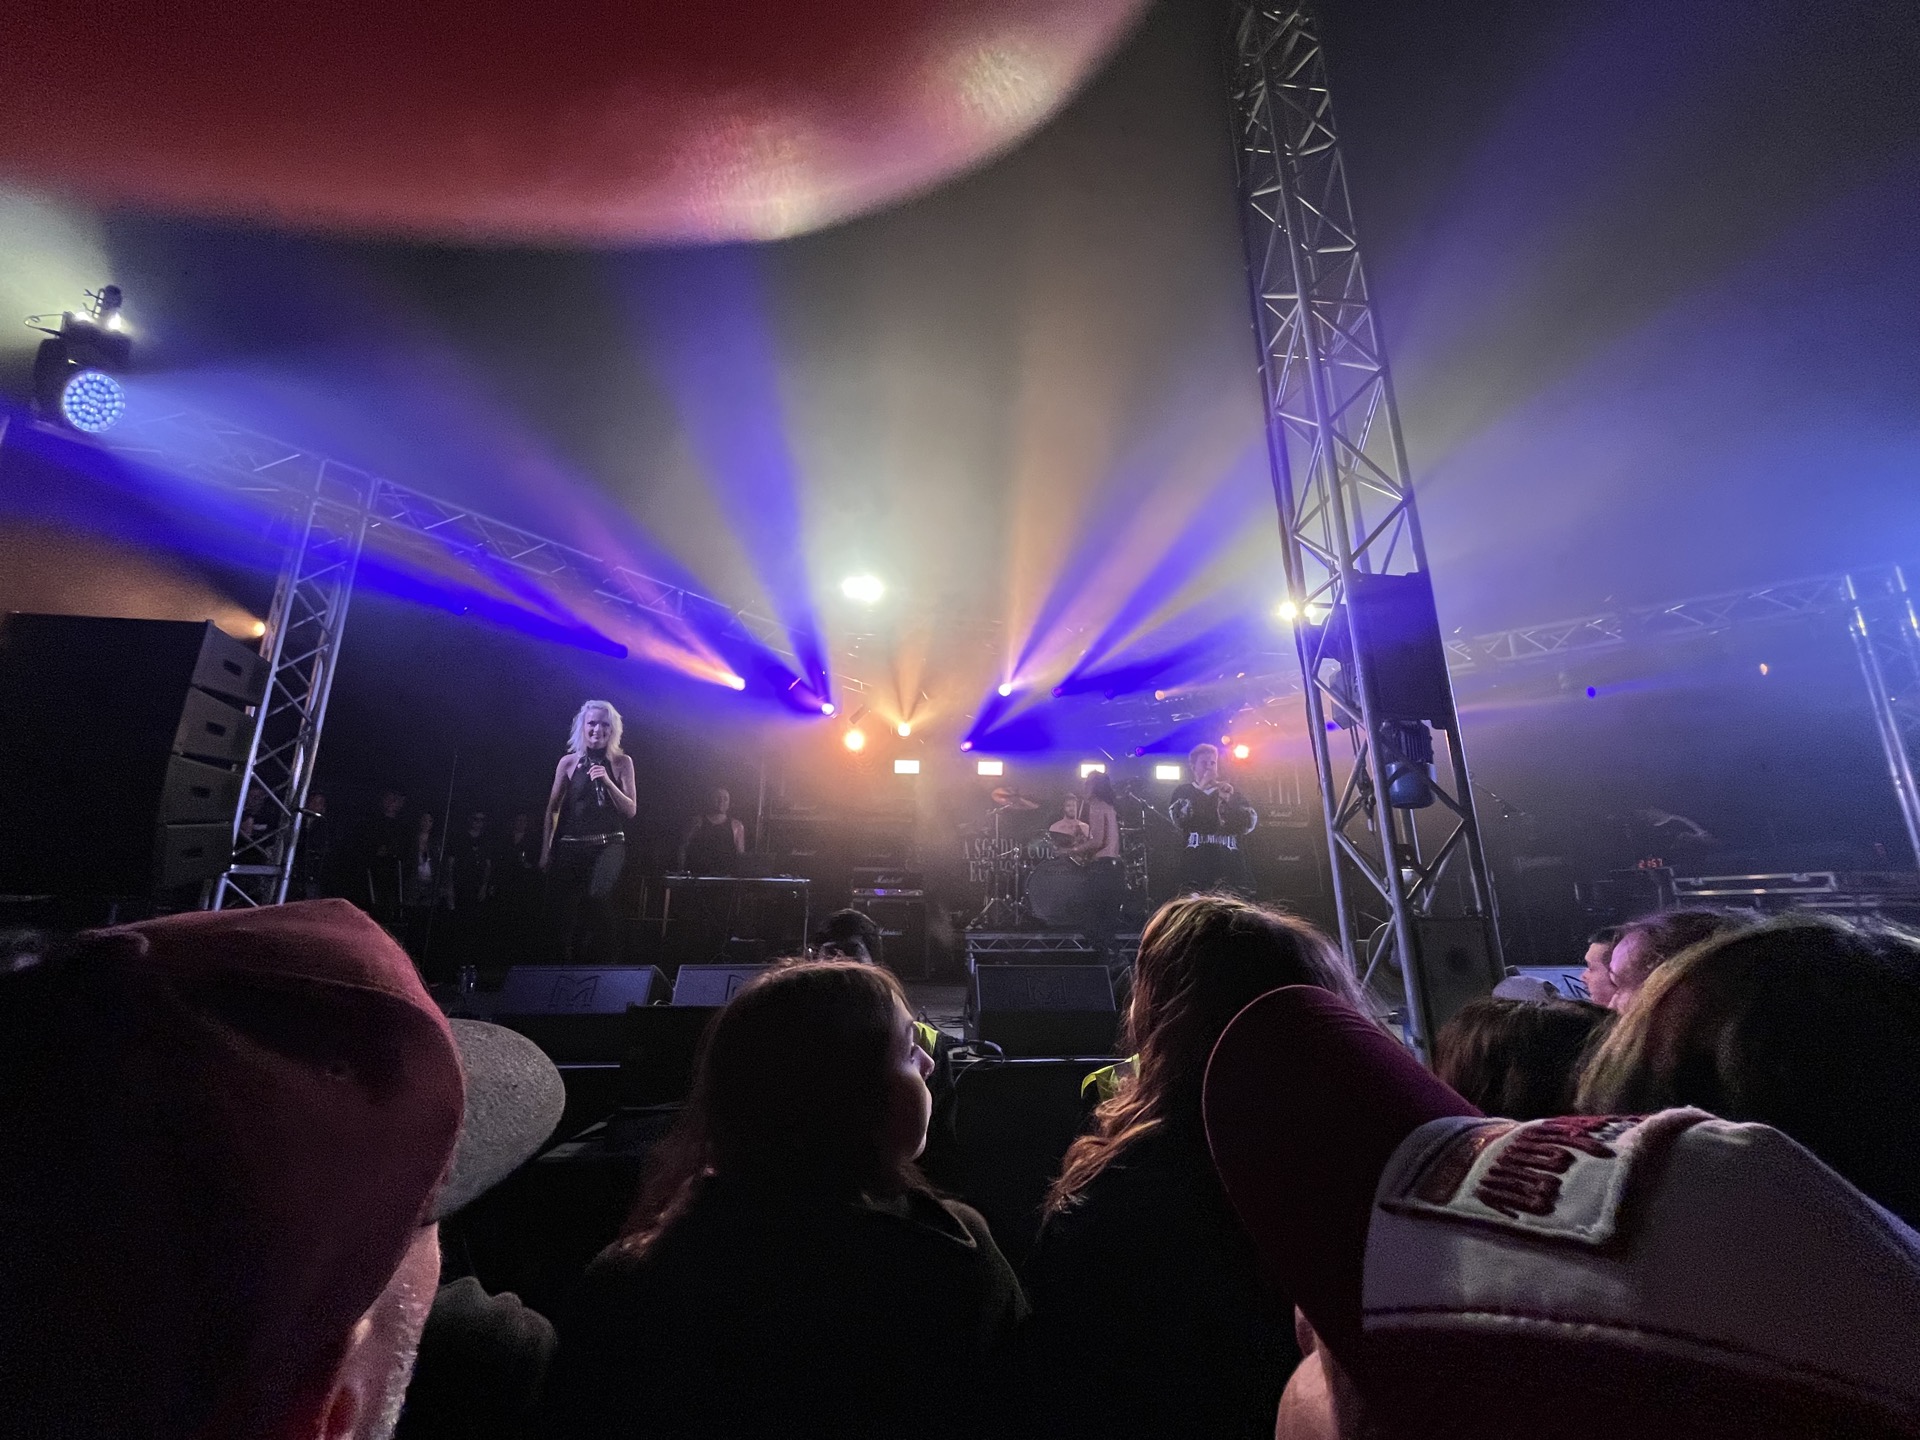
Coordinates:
<point>989,767</point>
<point>906,767</point>
<point>1166,772</point>
<point>827,707</point>
<point>1006,688</point>
<point>903,729</point>
<point>1287,610</point>
<point>1087,767</point>
<point>864,588</point>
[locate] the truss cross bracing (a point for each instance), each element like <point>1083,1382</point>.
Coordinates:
<point>1886,636</point>
<point>330,514</point>
<point>1346,503</point>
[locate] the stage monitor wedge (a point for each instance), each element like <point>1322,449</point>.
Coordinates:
<point>711,984</point>
<point>576,1014</point>
<point>1045,1010</point>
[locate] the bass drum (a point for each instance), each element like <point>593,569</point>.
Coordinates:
<point>1059,894</point>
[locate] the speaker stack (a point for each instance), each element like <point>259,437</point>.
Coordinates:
<point>125,743</point>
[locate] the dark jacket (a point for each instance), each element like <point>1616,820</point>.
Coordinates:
<point>1149,1317</point>
<point>754,1316</point>
<point>1200,812</point>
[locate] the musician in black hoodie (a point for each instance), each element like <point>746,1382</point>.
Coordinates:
<point>1213,819</point>
<point>787,1271</point>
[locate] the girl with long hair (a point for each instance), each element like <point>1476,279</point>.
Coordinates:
<point>1807,1023</point>
<point>1149,1317</point>
<point>583,840</point>
<point>786,1270</point>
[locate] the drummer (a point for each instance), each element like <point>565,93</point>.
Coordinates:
<point>1069,833</point>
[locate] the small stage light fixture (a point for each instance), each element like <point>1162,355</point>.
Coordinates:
<point>1166,772</point>
<point>903,729</point>
<point>827,707</point>
<point>854,740</point>
<point>867,589</point>
<point>990,767</point>
<point>906,767</point>
<point>966,745</point>
<point>734,682</point>
<point>1240,752</point>
<point>258,629</point>
<point>1287,610</point>
<point>73,379</point>
<point>1087,767</point>
<point>1005,689</point>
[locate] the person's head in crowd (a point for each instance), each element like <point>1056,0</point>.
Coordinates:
<point>522,826</point>
<point>392,801</point>
<point>1644,945</point>
<point>597,726</point>
<point>1518,1058</point>
<point>849,935</point>
<point>1202,959</point>
<point>810,1080</point>
<point>1461,1277</point>
<point>1070,807</point>
<point>225,1143</point>
<point>1805,1023</point>
<point>477,824</point>
<point>423,828</point>
<point>1100,787</point>
<point>719,802</point>
<point>1593,969</point>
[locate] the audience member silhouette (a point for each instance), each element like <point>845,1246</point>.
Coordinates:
<point>1519,1058</point>
<point>1808,1024</point>
<point>1644,945</point>
<point>226,1140</point>
<point>787,1272</point>
<point>1150,1317</point>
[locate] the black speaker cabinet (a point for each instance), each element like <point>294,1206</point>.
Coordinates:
<point>1454,964</point>
<point>124,742</point>
<point>578,1016</point>
<point>1045,1010</point>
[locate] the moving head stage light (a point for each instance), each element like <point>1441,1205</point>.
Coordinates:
<point>74,370</point>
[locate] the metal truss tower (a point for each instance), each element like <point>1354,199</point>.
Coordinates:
<point>1886,636</point>
<point>1346,514</point>
<point>326,514</point>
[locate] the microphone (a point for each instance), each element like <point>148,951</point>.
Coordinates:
<point>598,757</point>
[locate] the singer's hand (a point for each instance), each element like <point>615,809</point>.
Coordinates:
<point>597,772</point>
<point>1226,791</point>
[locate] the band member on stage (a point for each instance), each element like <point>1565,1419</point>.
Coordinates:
<point>713,841</point>
<point>1106,876</point>
<point>1215,820</point>
<point>1069,832</point>
<point>583,845</point>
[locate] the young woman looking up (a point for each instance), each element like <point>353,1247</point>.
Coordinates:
<point>786,1270</point>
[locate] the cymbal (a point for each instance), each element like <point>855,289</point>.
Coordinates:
<point>1007,798</point>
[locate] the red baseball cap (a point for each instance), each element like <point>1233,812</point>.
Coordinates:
<point>1592,1276</point>
<point>219,1132</point>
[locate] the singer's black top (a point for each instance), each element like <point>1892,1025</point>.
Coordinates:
<point>587,808</point>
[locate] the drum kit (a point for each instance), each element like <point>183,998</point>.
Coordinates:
<point>1028,879</point>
